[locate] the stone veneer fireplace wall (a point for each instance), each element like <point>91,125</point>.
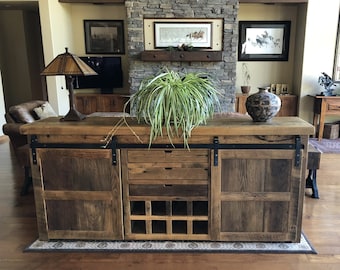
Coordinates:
<point>224,71</point>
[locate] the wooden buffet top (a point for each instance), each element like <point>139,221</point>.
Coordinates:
<point>219,126</point>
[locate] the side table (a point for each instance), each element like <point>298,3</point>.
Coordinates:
<point>323,106</point>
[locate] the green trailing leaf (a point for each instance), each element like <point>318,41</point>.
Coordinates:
<point>176,102</point>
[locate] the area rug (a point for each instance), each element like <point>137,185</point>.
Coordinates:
<point>326,145</point>
<point>304,247</point>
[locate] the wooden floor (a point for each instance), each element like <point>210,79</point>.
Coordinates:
<point>321,224</point>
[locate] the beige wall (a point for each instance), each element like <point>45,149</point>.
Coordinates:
<point>312,48</point>
<point>81,12</point>
<point>319,50</point>
<point>14,61</point>
<point>263,73</point>
<point>56,35</point>
<point>62,26</point>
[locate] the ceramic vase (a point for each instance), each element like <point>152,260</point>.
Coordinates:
<point>245,89</point>
<point>263,105</point>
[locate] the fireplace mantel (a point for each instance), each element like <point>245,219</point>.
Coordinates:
<point>182,56</point>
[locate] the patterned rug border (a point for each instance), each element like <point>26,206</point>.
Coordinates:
<point>304,247</point>
<point>326,145</point>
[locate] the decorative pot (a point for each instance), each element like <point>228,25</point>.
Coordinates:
<point>263,105</point>
<point>245,89</point>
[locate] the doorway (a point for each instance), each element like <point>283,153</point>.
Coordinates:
<point>21,53</point>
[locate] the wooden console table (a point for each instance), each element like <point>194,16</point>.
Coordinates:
<point>323,106</point>
<point>240,181</point>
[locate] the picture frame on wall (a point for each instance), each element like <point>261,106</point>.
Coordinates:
<point>264,40</point>
<point>104,36</point>
<point>173,34</point>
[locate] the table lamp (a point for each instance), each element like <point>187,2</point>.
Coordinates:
<point>69,65</point>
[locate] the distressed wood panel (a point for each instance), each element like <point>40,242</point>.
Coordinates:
<point>168,156</point>
<point>80,194</point>
<point>256,194</point>
<point>168,190</point>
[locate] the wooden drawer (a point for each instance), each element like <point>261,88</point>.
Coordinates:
<point>168,166</point>
<point>169,190</point>
<point>333,105</point>
<point>165,171</point>
<point>169,155</point>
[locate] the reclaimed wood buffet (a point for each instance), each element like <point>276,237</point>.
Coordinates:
<point>239,181</point>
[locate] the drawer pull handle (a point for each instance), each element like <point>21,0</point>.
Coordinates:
<point>168,168</point>
<point>167,185</point>
<point>167,151</point>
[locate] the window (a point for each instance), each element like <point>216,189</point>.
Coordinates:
<point>336,68</point>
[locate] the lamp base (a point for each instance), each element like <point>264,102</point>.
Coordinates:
<point>73,115</point>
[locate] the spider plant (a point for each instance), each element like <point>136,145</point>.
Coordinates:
<point>176,102</point>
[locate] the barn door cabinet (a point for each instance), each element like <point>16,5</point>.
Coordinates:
<point>77,193</point>
<point>240,181</point>
<point>263,202</point>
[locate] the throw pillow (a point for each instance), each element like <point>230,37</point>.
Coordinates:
<point>45,111</point>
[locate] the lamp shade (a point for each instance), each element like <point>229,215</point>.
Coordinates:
<point>68,64</point>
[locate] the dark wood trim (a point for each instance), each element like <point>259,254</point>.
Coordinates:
<point>182,56</point>
<point>274,1</point>
<point>94,1</point>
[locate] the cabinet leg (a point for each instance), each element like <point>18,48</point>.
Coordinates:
<point>27,182</point>
<point>311,183</point>
<point>315,123</point>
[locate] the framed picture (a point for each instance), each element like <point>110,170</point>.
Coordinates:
<point>172,34</point>
<point>104,36</point>
<point>263,40</point>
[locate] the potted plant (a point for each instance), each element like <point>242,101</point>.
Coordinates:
<point>245,88</point>
<point>176,102</point>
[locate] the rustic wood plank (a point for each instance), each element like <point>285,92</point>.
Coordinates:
<point>255,196</point>
<point>162,174</point>
<point>157,217</point>
<point>182,56</point>
<point>173,236</point>
<point>169,156</point>
<point>169,190</point>
<point>223,126</point>
<point>169,181</point>
<point>78,195</point>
